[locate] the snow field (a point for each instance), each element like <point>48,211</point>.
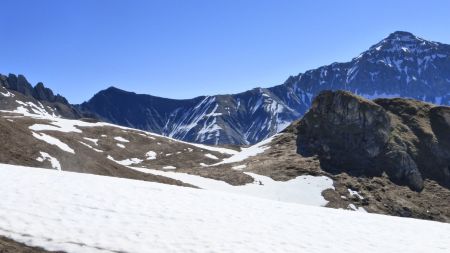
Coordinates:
<point>304,189</point>
<point>87,213</point>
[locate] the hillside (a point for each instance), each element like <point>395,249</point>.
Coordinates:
<point>273,169</point>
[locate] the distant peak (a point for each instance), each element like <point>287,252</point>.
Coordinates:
<point>112,88</point>
<point>402,41</point>
<point>401,35</point>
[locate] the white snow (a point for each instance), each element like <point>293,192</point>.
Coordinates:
<point>121,139</point>
<point>126,162</point>
<point>211,156</point>
<point>248,152</point>
<point>303,189</point>
<point>53,141</point>
<point>61,125</point>
<point>89,146</point>
<point>151,155</point>
<point>355,193</point>
<point>169,167</point>
<point>7,94</point>
<point>239,167</point>
<point>120,145</point>
<point>95,141</point>
<point>49,209</point>
<point>214,149</point>
<point>33,110</point>
<point>354,208</point>
<point>53,161</point>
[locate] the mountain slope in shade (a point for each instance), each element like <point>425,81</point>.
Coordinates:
<point>401,65</point>
<point>242,118</point>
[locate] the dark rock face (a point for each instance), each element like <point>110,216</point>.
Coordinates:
<point>340,128</point>
<point>407,139</point>
<point>40,92</point>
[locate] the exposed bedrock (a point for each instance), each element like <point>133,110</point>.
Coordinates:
<point>407,139</point>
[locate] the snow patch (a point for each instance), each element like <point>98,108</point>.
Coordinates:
<point>245,153</point>
<point>53,141</point>
<point>355,193</point>
<point>303,189</point>
<point>150,155</point>
<point>239,167</point>
<point>95,141</point>
<point>53,161</point>
<point>121,139</point>
<point>7,94</point>
<point>89,146</point>
<point>212,156</point>
<point>126,162</point>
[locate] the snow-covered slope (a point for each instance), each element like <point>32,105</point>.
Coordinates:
<point>87,213</point>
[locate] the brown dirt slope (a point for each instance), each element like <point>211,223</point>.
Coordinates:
<point>9,246</point>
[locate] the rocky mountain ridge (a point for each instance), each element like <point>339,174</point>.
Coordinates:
<point>18,91</point>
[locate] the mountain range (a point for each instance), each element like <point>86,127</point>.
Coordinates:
<point>401,65</point>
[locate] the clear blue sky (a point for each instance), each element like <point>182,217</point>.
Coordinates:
<point>186,48</point>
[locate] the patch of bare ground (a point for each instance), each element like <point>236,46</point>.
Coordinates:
<point>10,246</point>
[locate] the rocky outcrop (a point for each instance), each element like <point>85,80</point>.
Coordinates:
<point>40,92</point>
<point>404,138</point>
<point>39,95</point>
<point>20,84</point>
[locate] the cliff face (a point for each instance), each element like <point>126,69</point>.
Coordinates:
<point>406,139</point>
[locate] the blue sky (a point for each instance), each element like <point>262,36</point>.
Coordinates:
<point>187,48</point>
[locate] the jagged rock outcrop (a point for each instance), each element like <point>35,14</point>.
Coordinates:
<point>407,139</point>
<point>40,96</point>
<point>20,84</point>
